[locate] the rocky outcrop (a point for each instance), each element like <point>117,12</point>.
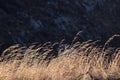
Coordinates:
<point>27,21</point>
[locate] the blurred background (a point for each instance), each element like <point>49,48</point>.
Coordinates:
<point>27,21</point>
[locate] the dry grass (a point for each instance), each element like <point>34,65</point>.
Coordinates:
<point>80,61</point>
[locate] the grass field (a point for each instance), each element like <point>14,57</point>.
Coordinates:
<point>78,61</point>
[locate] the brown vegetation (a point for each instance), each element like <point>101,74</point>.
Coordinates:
<point>79,61</point>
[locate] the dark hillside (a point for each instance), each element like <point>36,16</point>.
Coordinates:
<point>27,21</point>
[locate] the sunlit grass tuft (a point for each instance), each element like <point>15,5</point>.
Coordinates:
<point>79,61</point>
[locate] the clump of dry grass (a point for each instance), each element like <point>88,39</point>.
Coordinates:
<point>79,61</point>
